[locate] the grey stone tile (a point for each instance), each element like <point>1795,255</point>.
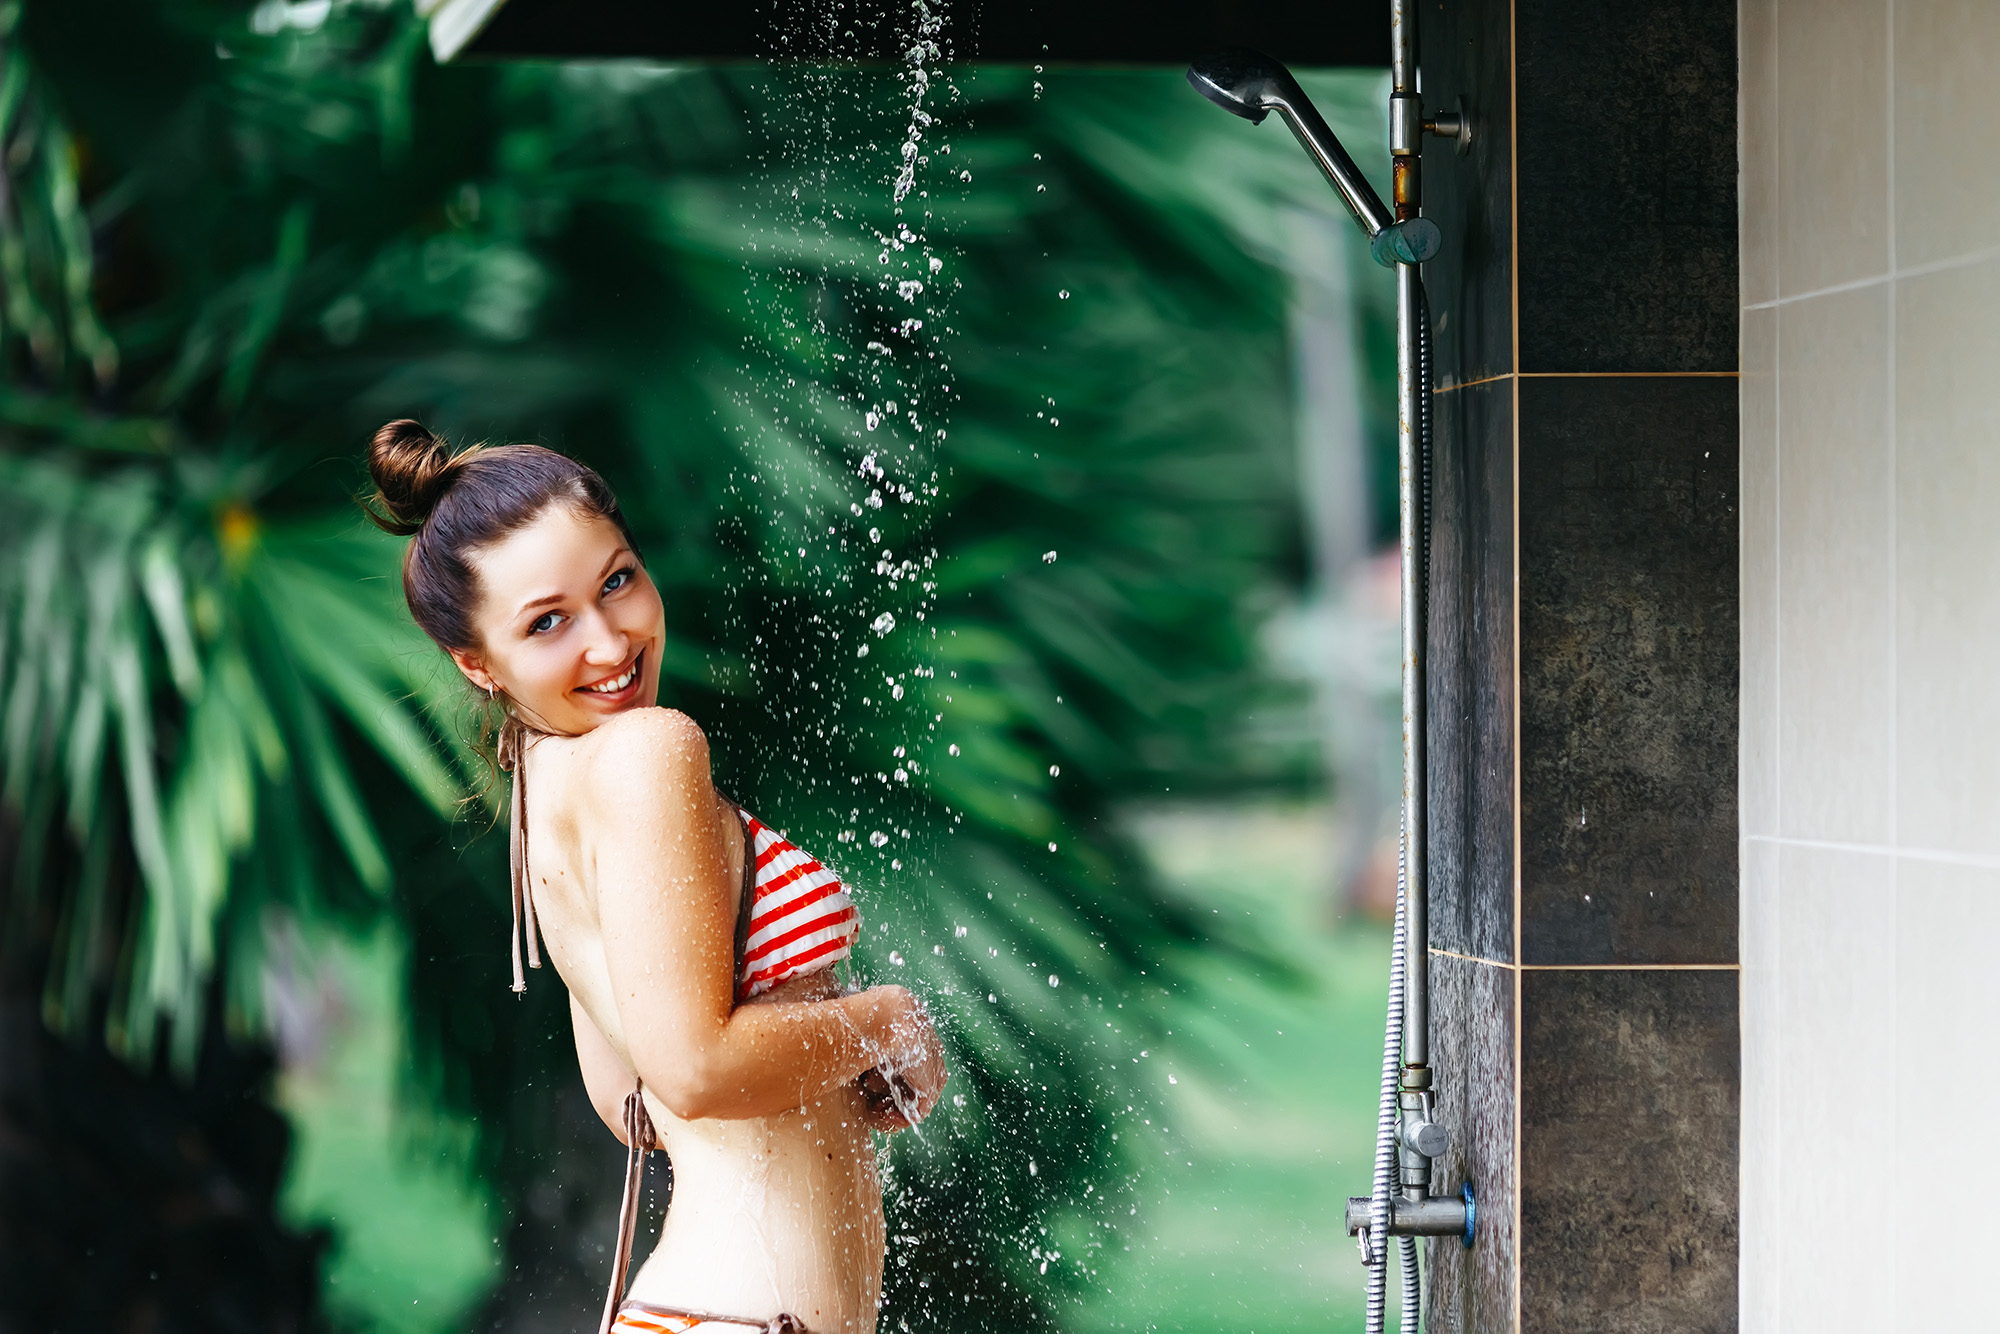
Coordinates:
<point>1471,672</point>
<point>1466,52</point>
<point>1629,662</point>
<point>1629,1103</point>
<point>1472,1022</point>
<point>1627,168</point>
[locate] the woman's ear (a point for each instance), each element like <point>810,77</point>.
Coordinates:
<point>474,669</point>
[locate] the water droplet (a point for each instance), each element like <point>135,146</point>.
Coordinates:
<point>874,534</point>
<point>896,692</point>
<point>1055,770</point>
<point>872,419</point>
<point>1054,981</point>
<point>936,264</point>
<point>1052,847</point>
<point>1032,1169</point>
<point>1048,558</point>
<point>1172,1080</point>
<point>895,957</point>
<point>878,839</point>
<point>883,624</point>
<point>952,749</point>
<point>861,652</point>
<point>959,932</point>
<point>1062,294</point>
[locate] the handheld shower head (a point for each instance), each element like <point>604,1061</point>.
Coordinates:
<point>1250,84</point>
<point>1242,82</point>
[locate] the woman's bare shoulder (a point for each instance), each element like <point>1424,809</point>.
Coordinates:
<point>645,749</point>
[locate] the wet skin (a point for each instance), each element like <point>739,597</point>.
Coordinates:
<point>636,866</point>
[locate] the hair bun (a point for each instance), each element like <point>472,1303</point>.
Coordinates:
<point>412,470</point>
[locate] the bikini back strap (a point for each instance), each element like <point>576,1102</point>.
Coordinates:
<point>640,1139</point>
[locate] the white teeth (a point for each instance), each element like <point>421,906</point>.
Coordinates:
<point>616,684</point>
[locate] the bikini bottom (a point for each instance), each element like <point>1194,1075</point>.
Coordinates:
<point>642,1318</point>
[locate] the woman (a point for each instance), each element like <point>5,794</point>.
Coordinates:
<point>697,943</point>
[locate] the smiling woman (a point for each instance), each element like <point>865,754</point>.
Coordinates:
<point>695,940</point>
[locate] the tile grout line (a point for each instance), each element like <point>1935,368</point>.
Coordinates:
<point>1630,375</point>
<point>1588,967</point>
<point>1777,593</point>
<point>1468,384</point>
<point>1889,389</point>
<point>1932,856</point>
<point>1895,611</point>
<point>1893,273</point>
<point>1514,592</point>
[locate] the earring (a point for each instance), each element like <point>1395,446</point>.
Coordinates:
<point>489,694</point>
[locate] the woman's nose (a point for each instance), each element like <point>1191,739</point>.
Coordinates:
<point>605,645</point>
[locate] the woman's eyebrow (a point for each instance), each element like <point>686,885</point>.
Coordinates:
<point>542,601</point>
<point>547,598</point>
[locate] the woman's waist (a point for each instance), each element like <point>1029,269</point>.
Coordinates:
<point>781,1243</point>
<point>808,1155</point>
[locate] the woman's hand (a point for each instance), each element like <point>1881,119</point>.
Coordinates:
<point>903,1087</point>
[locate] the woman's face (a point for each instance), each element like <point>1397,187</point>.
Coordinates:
<point>569,624</point>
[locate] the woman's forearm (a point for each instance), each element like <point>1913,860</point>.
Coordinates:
<point>778,1056</point>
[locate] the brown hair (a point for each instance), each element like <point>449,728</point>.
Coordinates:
<point>452,503</point>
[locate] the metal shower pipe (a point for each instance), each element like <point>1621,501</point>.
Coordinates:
<point>1250,85</point>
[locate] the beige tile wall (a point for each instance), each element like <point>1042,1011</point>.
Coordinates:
<point>1871,657</point>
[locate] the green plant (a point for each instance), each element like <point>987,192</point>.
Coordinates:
<point>296,232</point>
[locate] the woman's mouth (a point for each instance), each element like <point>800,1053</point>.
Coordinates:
<point>619,684</point>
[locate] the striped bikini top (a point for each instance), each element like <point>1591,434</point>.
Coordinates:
<point>795,917</point>
<point>802,918</point>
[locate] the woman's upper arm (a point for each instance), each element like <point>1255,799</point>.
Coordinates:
<point>666,897</point>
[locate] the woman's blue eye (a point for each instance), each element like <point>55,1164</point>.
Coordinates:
<point>544,623</point>
<point>617,581</point>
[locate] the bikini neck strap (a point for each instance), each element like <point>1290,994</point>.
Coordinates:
<point>514,740</point>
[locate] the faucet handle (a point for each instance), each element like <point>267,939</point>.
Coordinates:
<point>1425,1137</point>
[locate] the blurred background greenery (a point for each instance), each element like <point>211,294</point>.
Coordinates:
<point>1015,538</point>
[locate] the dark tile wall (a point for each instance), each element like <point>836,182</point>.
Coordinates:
<point>1472,1291</point>
<point>1627,185</point>
<point>1629,1081</point>
<point>1628,577</point>
<point>1465,46</point>
<point>1583,670</point>
<point>1471,672</point>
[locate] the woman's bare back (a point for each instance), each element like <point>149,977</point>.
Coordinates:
<point>771,1212</point>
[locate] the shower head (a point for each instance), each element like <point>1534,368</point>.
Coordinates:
<point>1241,82</point>
<point>1250,84</point>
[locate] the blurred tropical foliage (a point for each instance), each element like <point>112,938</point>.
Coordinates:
<point>968,510</point>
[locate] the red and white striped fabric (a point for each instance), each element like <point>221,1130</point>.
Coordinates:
<point>801,920</point>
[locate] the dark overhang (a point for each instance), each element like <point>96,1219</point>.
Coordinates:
<point>1098,32</point>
